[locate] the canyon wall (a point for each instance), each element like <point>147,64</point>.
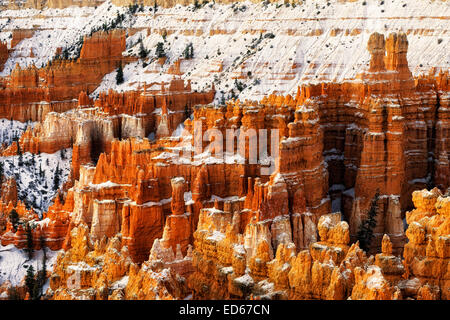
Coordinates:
<point>337,143</point>
<point>35,92</point>
<point>147,207</point>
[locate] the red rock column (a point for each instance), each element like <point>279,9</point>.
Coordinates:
<point>178,225</point>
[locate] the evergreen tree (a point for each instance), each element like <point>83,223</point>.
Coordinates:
<point>188,52</point>
<point>191,51</point>
<point>29,248</point>
<point>14,218</point>
<point>33,160</point>
<point>30,281</point>
<point>160,50</point>
<point>239,85</point>
<point>142,51</point>
<point>56,178</point>
<point>19,152</point>
<point>42,275</point>
<point>186,112</point>
<point>365,233</point>
<point>65,54</point>
<point>119,75</point>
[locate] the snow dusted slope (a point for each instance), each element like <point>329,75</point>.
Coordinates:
<point>11,129</point>
<point>13,263</point>
<point>317,41</point>
<point>36,178</point>
<point>269,47</point>
<point>53,28</point>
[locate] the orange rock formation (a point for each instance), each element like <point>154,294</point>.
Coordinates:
<point>35,92</point>
<point>233,228</point>
<point>4,53</point>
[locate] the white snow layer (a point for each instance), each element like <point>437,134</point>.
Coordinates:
<point>271,47</point>
<point>11,130</point>
<point>36,178</point>
<point>13,263</point>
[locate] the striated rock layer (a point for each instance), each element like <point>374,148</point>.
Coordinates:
<point>35,92</point>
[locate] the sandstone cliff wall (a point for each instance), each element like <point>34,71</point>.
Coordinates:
<point>35,92</point>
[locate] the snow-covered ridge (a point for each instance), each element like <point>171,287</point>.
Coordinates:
<point>267,47</point>
<point>54,28</point>
<point>35,177</point>
<point>13,263</point>
<point>11,130</point>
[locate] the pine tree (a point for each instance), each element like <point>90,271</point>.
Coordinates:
<point>14,218</point>
<point>186,112</point>
<point>365,233</point>
<point>29,248</point>
<point>42,275</point>
<point>19,152</point>
<point>119,75</point>
<point>65,54</point>
<point>188,52</point>
<point>56,179</point>
<point>30,281</point>
<point>239,85</point>
<point>142,51</point>
<point>160,50</point>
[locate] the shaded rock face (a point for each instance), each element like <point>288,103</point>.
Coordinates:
<point>3,54</point>
<point>91,127</point>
